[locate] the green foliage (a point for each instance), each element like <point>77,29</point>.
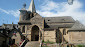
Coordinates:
<point>48,42</point>
<point>42,40</point>
<point>81,45</point>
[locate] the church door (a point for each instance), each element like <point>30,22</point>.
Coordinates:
<point>35,33</point>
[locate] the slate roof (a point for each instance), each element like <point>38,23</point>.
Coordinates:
<point>1,27</point>
<point>10,26</point>
<point>59,19</point>
<point>55,20</point>
<point>77,26</point>
<point>59,26</point>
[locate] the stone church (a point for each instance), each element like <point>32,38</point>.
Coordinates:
<point>54,29</point>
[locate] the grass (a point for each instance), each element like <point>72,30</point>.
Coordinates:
<point>81,45</point>
<point>48,42</point>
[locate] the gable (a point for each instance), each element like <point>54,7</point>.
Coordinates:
<point>36,18</point>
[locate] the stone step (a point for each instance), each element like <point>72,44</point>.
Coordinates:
<point>33,44</point>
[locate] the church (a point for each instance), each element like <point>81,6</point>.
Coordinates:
<point>54,29</point>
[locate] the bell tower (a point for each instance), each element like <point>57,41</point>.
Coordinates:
<point>30,18</point>
<point>23,13</point>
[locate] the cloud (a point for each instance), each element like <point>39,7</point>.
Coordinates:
<point>53,9</point>
<point>4,11</point>
<point>11,12</point>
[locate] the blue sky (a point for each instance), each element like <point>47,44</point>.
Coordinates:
<point>9,9</point>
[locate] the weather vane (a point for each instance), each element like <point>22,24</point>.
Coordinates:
<point>24,5</point>
<point>70,2</point>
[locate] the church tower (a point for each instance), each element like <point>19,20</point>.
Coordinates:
<point>23,13</point>
<point>29,21</point>
<point>27,14</point>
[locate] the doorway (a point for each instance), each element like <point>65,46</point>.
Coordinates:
<point>35,33</point>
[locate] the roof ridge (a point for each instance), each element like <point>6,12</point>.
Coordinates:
<point>56,17</point>
<point>77,26</point>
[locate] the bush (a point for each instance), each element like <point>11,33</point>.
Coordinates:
<point>42,40</point>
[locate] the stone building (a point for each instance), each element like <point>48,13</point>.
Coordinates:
<point>3,37</point>
<point>55,29</point>
<point>9,35</point>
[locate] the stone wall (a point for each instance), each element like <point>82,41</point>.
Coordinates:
<point>50,36</point>
<point>17,37</point>
<point>77,37</point>
<point>1,40</point>
<point>65,36</point>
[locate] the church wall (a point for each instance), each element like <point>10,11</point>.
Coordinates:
<point>65,35</point>
<point>50,36</point>
<point>77,37</point>
<point>21,26</point>
<point>27,32</point>
<point>28,29</point>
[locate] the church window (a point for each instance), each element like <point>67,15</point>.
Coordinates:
<point>64,31</point>
<point>63,19</point>
<point>56,34</point>
<point>48,20</point>
<point>23,30</point>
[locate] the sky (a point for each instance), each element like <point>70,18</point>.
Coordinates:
<point>9,9</point>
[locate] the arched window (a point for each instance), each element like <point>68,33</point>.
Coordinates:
<point>23,29</point>
<point>64,31</point>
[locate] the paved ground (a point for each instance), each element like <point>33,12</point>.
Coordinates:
<point>33,44</point>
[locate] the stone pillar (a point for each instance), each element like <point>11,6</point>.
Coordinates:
<point>62,39</point>
<point>55,34</point>
<point>39,35</point>
<point>29,35</point>
<point>42,35</point>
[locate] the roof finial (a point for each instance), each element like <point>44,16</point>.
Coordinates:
<point>3,21</point>
<point>70,2</point>
<point>12,23</point>
<point>32,7</point>
<point>24,5</point>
